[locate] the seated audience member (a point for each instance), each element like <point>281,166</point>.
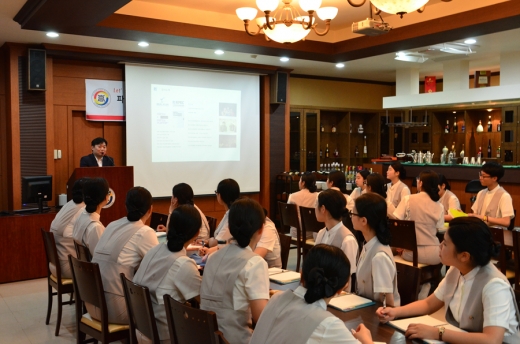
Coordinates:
<point>376,276</point>
<point>476,296</point>
<point>330,209</point>
<point>336,181</point>
<point>493,205</point>
<point>301,316</point>
<point>396,190</point>
<point>306,197</point>
<point>88,229</point>
<point>182,193</point>
<point>448,198</point>
<point>361,184</point>
<point>99,157</point>
<point>62,226</point>
<point>121,249</point>
<point>428,215</point>
<point>269,245</point>
<point>227,192</point>
<point>166,270</point>
<point>376,183</point>
<point>236,281</point>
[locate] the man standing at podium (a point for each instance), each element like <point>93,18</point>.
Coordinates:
<point>98,158</point>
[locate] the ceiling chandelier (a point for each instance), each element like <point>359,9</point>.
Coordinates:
<point>399,7</point>
<point>283,23</point>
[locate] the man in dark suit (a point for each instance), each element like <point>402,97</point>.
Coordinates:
<point>98,158</point>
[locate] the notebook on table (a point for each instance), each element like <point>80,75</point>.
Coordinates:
<point>349,302</point>
<point>281,276</point>
<point>402,325</point>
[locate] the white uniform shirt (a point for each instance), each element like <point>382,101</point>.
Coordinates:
<point>356,193</point>
<point>331,329</point>
<point>382,267</point>
<point>505,205</point>
<point>499,309</point>
<point>302,198</point>
<point>402,212</point>
<point>390,192</point>
<point>269,240</point>
<point>135,249</point>
<point>350,201</point>
<point>92,233</point>
<point>453,201</point>
<point>222,232</point>
<point>349,245</point>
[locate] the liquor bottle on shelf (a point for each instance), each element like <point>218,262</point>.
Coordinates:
<point>462,151</point>
<point>365,149</point>
<point>333,128</point>
<point>342,170</point>
<point>455,129</point>
<point>479,154</point>
<point>322,128</point>
<point>490,126</point>
<point>453,150</point>
<point>336,153</point>
<point>463,126</point>
<point>480,128</point>
<point>498,152</point>
<point>327,151</point>
<point>447,127</point>
<point>356,152</point>
<point>489,149</point>
<point>499,126</point>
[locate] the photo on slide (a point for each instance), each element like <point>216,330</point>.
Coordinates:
<point>228,109</point>
<point>227,141</point>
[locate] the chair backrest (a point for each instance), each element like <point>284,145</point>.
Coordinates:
<point>498,235</point>
<point>288,216</point>
<point>403,236</point>
<point>88,287</point>
<point>473,186</point>
<point>408,282</point>
<point>51,252</point>
<point>285,247</point>
<point>512,223</point>
<point>463,207</point>
<point>190,325</point>
<point>309,221</point>
<point>212,222</point>
<point>158,219</point>
<point>82,252</point>
<point>516,252</point>
<point>140,310</point>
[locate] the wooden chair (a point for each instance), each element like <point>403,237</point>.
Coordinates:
<point>140,311</point>
<point>512,223</point>
<point>463,207</point>
<point>89,288</point>
<point>309,224</point>
<point>516,253</point>
<point>190,325</point>
<point>408,278</point>
<point>403,236</point>
<point>285,247</point>
<point>158,219</point>
<point>501,262</point>
<point>289,218</point>
<point>61,285</point>
<point>82,252</point>
<point>212,222</point>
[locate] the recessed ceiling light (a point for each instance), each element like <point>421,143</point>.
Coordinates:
<point>489,110</point>
<point>401,54</point>
<point>52,34</point>
<point>454,111</point>
<point>284,59</point>
<point>219,52</point>
<point>340,65</point>
<point>143,44</point>
<point>470,41</point>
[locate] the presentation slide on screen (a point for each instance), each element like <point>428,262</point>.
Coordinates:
<point>192,126</point>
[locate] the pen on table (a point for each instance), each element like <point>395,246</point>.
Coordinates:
<point>384,300</point>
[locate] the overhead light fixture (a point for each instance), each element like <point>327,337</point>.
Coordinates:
<point>470,41</point>
<point>143,44</point>
<point>52,34</point>
<point>284,59</point>
<point>489,110</point>
<point>399,7</point>
<point>219,52</point>
<point>454,111</point>
<point>340,65</point>
<point>283,23</point>
<point>410,57</point>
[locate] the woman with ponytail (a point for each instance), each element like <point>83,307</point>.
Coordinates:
<point>428,215</point>
<point>166,270</point>
<point>306,197</point>
<point>62,226</point>
<point>236,282</point>
<point>330,209</point>
<point>88,229</point>
<point>376,271</point>
<point>476,296</point>
<point>121,249</point>
<point>301,316</point>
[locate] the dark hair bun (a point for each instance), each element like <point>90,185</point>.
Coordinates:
<point>319,286</point>
<point>184,224</point>
<point>246,217</point>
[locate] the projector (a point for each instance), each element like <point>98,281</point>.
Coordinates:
<point>370,27</point>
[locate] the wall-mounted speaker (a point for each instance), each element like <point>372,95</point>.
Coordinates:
<point>36,65</point>
<point>279,87</point>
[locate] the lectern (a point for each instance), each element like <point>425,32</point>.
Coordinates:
<point>120,180</point>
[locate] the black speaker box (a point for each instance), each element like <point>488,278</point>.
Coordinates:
<point>36,64</point>
<point>279,87</point>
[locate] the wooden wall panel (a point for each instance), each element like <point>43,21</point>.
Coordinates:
<point>61,142</point>
<point>88,70</point>
<point>3,155</point>
<point>83,132</point>
<point>49,127</point>
<point>69,91</point>
<point>115,134</point>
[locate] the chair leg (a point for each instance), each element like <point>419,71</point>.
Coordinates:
<point>80,337</point>
<point>298,260</point>
<point>58,321</point>
<point>49,305</point>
